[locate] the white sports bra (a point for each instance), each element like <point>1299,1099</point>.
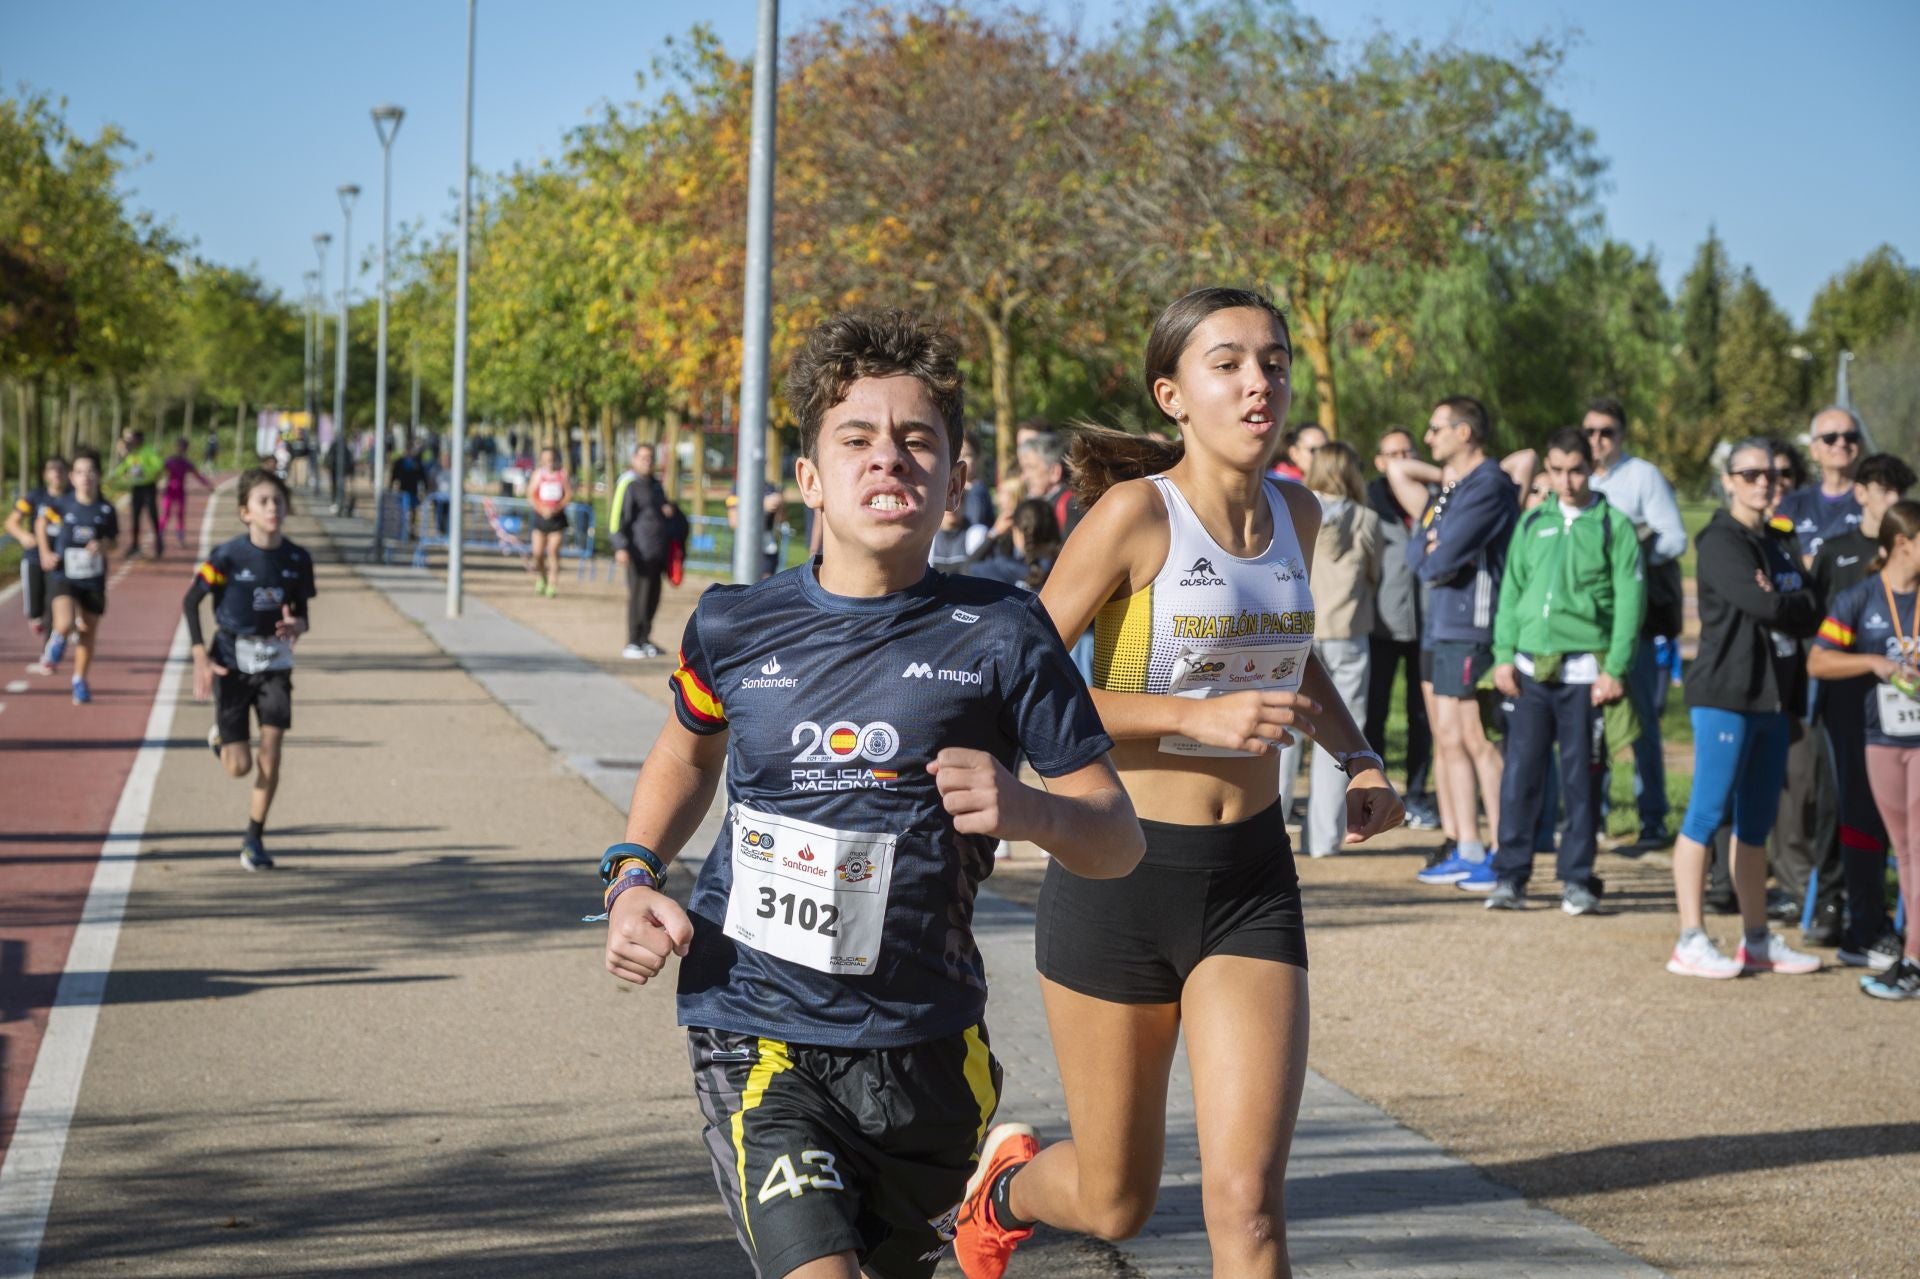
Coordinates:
<point>1210,623</point>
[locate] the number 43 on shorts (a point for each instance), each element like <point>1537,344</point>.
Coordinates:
<point>782,1178</point>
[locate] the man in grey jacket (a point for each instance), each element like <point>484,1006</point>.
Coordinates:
<point>1395,642</point>
<point>1635,488</point>
<point>642,515</point>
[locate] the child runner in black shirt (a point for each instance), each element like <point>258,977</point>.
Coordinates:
<point>866,712</point>
<point>260,583</point>
<point>76,531</point>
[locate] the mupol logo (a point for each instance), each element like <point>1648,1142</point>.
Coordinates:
<point>917,670</point>
<point>1203,574</point>
<point>771,677</point>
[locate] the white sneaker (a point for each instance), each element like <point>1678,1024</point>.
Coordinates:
<point>1699,957</point>
<point>633,652</point>
<point>1777,957</point>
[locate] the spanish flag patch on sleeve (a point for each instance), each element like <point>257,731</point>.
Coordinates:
<point>696,696</point>
<point>1835,632</point>
<point>1780,524</point>
<point>211,575</point>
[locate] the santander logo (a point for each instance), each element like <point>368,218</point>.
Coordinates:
<point>806,853</point>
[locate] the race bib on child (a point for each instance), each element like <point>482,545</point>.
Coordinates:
<point>254,654</point>
<point>1899,714</point>
<point>1215,672</point>
<point>809,894</point>
<point>80,562</point>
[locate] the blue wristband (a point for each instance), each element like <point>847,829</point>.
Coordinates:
<point>644,855</point>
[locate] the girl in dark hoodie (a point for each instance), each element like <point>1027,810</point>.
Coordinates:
<point>1755,607</point>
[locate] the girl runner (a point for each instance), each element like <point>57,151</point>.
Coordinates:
<point>75,532</point>
<point>173,498</point>
<point>548,490</point>
<point>1872,629</point>
<point>1755,607</point>
<point>1195,578</point>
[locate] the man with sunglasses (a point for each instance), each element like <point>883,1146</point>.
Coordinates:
<point>1635,489</point>
<point>1829,508</point>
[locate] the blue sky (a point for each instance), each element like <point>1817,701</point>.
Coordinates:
<point>1788,125</point>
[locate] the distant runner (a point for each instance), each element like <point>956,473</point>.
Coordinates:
<point>21,520</point>
<point>548,490</point>
<point>173,498</point>
<point>76,532</point>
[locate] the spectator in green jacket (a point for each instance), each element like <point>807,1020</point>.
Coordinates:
<point>1563,637</point>
<point>140,470</point>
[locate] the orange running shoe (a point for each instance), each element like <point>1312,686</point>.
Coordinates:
<point>982,1244</point>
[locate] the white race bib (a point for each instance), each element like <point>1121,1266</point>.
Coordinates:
<point>79,563</point>
<point>1214,672</point>
<point>1899,714</point>
<point>256,653</point>
<point>552,490</point>
<point>809,894</point>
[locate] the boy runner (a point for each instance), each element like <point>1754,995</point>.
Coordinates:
<point>20,526</point>
<point>866,712</point>
<point>76,531</point>
<point>260,583</point>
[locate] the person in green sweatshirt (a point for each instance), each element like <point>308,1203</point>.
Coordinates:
<point>139,471</point>
<point>1563,636</point>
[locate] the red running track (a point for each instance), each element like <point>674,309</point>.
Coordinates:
<point>62,768</point>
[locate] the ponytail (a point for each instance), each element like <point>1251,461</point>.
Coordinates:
<point>1099,457</point>
<point>1901,520</point>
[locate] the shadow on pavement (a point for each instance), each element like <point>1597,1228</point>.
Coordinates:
<point>166,985</point>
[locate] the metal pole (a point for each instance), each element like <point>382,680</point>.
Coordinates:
<point>386,124</point>
<point>320,243</point>
<point>749,480</point>
<point>413,423</point>
<point>458,479</point>
<point>348,193</point>
<point>306,365</point>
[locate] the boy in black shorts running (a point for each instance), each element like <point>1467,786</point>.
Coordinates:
<point>76,532</point>
<point>866,713</point>
<point>260,583</point>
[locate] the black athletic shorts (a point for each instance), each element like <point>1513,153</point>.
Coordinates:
<point>1458,666</point>
<point>819,1151</point>
<point>555,523</point>
<point>270,693</point>
<point>88,599</point>
<point>1228,889</point>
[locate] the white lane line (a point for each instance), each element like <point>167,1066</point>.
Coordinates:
<point>16,686</point>
<point>40,1137</point>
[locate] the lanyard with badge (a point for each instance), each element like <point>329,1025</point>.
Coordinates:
<point>1899,711</point>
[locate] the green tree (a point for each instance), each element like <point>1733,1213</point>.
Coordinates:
<point>1866,303</point>
<point>1757,375</point>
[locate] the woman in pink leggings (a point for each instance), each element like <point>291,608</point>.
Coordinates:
<point>1872,629</point>
<point>173,498</point>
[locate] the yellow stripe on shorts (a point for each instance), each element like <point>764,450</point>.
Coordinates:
<point>979,1072</point>
<point>772,1059</point>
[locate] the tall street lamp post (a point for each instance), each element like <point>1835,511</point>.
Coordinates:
<point>749,476</point>
<point>348,193</point>
<point>457,479</point>
<point>386,123</point>
<point>320,242</point>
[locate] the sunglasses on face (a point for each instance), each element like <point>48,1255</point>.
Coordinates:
<point>1602,432</point>
<point>1849,438</point>
<point>1753,475</point>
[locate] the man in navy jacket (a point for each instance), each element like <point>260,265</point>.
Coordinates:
<point>1459,549</point>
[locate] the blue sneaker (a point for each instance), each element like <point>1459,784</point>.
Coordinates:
<point>1450,871</point>
<point>253,856</point>
<point>55,650</point>
<point>81,694</point>
<point>1480,878</point>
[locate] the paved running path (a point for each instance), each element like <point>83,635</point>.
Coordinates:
<point>62,768</point>
<point>1365,1194</point>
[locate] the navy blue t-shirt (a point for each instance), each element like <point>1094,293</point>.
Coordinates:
<point>1858,621</point>
<point>1817,517</point>
<point>80,525</point>
<point>835,707</point>
<point>250,585</point>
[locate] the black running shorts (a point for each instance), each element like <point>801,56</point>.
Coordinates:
<point>1229,889</point>
<point>1457,667</point>
<point>270,693</point>
<point>819,1151</point>
<point>555,523</point>
<point>88,599</point>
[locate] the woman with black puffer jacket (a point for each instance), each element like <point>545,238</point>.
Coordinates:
<point>1755,607</point>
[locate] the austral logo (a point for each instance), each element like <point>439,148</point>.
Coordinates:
<point>1203,574</point>
<point>770,677</point>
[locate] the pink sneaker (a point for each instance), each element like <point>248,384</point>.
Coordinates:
<point>1701,958</point>
<point>1778,957</point>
